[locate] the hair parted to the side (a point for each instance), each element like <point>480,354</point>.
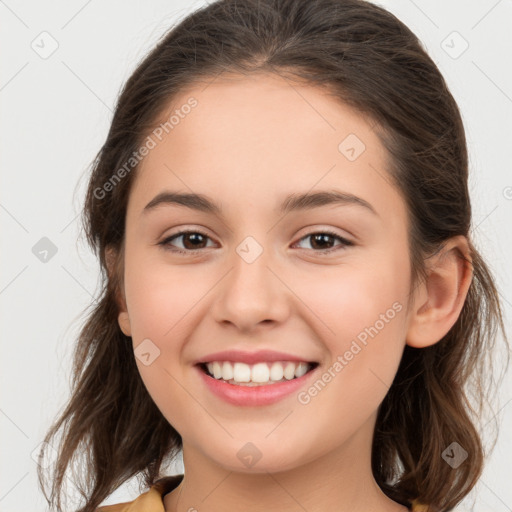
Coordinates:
<point>366,58</point>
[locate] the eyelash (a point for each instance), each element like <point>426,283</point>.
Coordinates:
<point>166,242</point>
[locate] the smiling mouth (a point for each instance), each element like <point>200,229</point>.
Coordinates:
<point>259,374</point>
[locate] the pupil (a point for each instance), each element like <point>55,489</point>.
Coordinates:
<point>194,236</point>
<point>321,237</point>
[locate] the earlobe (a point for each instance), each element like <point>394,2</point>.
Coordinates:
<point>111,259</point>
<point>439,300</point>
<point>124,323</point>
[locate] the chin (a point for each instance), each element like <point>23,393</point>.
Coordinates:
<point>253,458</point>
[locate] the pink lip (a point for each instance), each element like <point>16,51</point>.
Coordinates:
<point>253,395</point>
<point>260,356</point>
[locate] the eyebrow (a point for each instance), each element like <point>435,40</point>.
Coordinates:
<point>291,203</point>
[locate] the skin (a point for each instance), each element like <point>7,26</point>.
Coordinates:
<point>249,142</point>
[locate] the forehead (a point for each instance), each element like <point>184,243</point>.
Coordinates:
<point>258,138</point>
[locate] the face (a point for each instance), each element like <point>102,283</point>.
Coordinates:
<point>324,281</point>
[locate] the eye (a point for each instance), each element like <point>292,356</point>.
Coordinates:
<point>193,239</point>
<point>322,238</point>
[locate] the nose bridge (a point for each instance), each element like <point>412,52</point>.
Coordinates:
<point>251,263</point>
<point>251,293</point>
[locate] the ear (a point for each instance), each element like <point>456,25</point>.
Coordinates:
<point>111,259</point>
<point>440,298</point>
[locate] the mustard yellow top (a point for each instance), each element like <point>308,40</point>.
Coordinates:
<point>152,500</point>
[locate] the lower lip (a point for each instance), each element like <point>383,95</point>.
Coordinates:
<point>265,394</point>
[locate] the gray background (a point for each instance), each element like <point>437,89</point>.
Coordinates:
<point>56,111</point>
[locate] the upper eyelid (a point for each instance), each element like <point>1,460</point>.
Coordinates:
<point>185,232</point>
<point>313,231</point>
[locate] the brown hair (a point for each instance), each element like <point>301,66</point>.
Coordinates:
<point>366,58</point>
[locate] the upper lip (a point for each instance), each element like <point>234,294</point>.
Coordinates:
<point>251,357</point>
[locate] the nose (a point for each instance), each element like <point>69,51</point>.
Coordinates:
<point>253,294</point>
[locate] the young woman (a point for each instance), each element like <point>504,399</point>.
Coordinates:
<point>292,297</point>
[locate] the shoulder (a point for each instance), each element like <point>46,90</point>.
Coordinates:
<point>121,507</point>
<point>149,501</point>
<point>118,507</point>
<point>416,506</point>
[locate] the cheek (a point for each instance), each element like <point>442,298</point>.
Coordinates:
<point>161,301</point>
<point>361,311</point>
<point>159,296</point>
<point>372,331</point>
<point>353,296</point>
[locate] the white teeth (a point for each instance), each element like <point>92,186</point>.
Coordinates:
<point>276,371</point>
<point>301,369</point>
<point>227,371</point>
<point>217,370</point>
<point>260,373</point>
<point>289,371</point>
<point>241,372</point>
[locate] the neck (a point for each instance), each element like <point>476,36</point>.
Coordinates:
<point>339,480</point>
